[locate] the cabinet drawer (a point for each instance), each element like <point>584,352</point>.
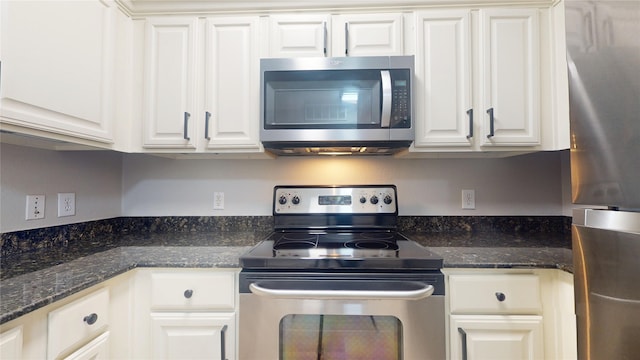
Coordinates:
<point>77,322</point>
<point>207,290</point>
<point>495,294</point>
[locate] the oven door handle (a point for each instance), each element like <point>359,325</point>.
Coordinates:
<point>413,294</point>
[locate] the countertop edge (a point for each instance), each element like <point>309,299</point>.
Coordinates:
<point>25,293</point>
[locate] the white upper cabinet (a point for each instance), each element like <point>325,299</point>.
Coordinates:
<point>299,35</point>
<point>481,75</point>
<point>232,83</point>
<point>510,77</point>
<point>58,69</point>
<point>443,63</point>
<point>201,84</point>
<point>169,85</point>
<point>306,35</point>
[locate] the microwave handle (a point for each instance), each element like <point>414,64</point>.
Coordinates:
<point>385,120</point>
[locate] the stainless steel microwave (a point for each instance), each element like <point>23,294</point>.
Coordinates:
<point>359,105</point>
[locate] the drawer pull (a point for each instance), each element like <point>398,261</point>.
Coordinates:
<point>188,293</point>
<point>91,319</point>
<point>500,296</point>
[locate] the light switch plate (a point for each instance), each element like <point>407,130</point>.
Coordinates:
<point>35,207</point>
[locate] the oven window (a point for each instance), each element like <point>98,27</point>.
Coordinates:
<point>340,337</point>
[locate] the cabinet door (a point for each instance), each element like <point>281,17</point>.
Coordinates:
<point>232,83</point>
<point>193,335</point>
<point>11,344</point>
<point>169,82</point>
<point>367,34</point>
<point>443,63</point>
<point>510,77</point>
<point>57,67</point>
<point>96,349</point>
<point>299,36</point>
<point>496,337</point>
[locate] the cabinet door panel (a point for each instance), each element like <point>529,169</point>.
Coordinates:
<point>496,337</point>
<point>298,36</point>
<point>169,82</point>
<point>11,343</point>
<point>367,35</point>
<point>444,65</point>
<point>193,335</point>
<point>510,74</point>
<point>57,67</point>
<point>232,82</point>
<point>96,349</point>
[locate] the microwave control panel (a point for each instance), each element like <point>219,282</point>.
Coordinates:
<point>400,98</point>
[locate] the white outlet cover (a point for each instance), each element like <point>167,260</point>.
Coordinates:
<point>218,201</point>
<point>66,204</point>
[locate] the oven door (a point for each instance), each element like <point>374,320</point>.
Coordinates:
<point>296,319</point>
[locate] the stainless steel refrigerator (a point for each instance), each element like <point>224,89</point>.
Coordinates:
<point>603,55</point>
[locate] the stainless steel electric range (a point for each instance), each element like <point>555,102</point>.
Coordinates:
<point>336,280</point>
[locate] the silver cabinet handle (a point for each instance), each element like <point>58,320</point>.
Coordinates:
<point>91,318</point>
<point>491,123</point>
<point>385,120</point>
<point>223,343</point>
<point>464,343</point>
<point>416,294</point>
<point>324,29</point>
<point>346,39</point>
<point>207,117</point>
<point>186,125</point>
<point>470,113</point>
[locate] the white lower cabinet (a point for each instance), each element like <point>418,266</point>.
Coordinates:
<point>11,343</point>
<point>494,337</point>
<point>192,335</point>
<point>185,314</point>
<point>77,323</point>
<point>96,349</point>
<point>510,314</point>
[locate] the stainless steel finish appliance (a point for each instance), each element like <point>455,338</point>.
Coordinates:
<point>360,105</point>
<point>335,280</point>
<point>603,54</point>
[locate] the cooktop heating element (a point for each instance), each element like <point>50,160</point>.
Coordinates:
<point>337,227</point>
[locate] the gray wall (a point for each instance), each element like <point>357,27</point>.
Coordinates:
<point>522,185</point>
<point>95,177</point>
<point>109,184</point>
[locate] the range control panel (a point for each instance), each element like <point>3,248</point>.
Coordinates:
<point>359,199</point>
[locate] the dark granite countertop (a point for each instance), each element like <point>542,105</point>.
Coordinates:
<point>35,279</point>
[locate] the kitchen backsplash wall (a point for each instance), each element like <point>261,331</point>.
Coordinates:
<point>94,176</point>
<point>531,184</point>
<point>109,184</point>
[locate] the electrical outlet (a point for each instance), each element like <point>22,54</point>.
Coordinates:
<point>35,207</point>
<point>218,201</point>
<point>66,204</point>
<point>469,199</point>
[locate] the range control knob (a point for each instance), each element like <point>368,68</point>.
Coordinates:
<point>282,200</point>
<point>387,199</point>
<point>295,200</point>
<point>374,199</point>
<point>363,199</point>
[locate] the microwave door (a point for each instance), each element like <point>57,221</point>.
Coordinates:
<point>385,118</point>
